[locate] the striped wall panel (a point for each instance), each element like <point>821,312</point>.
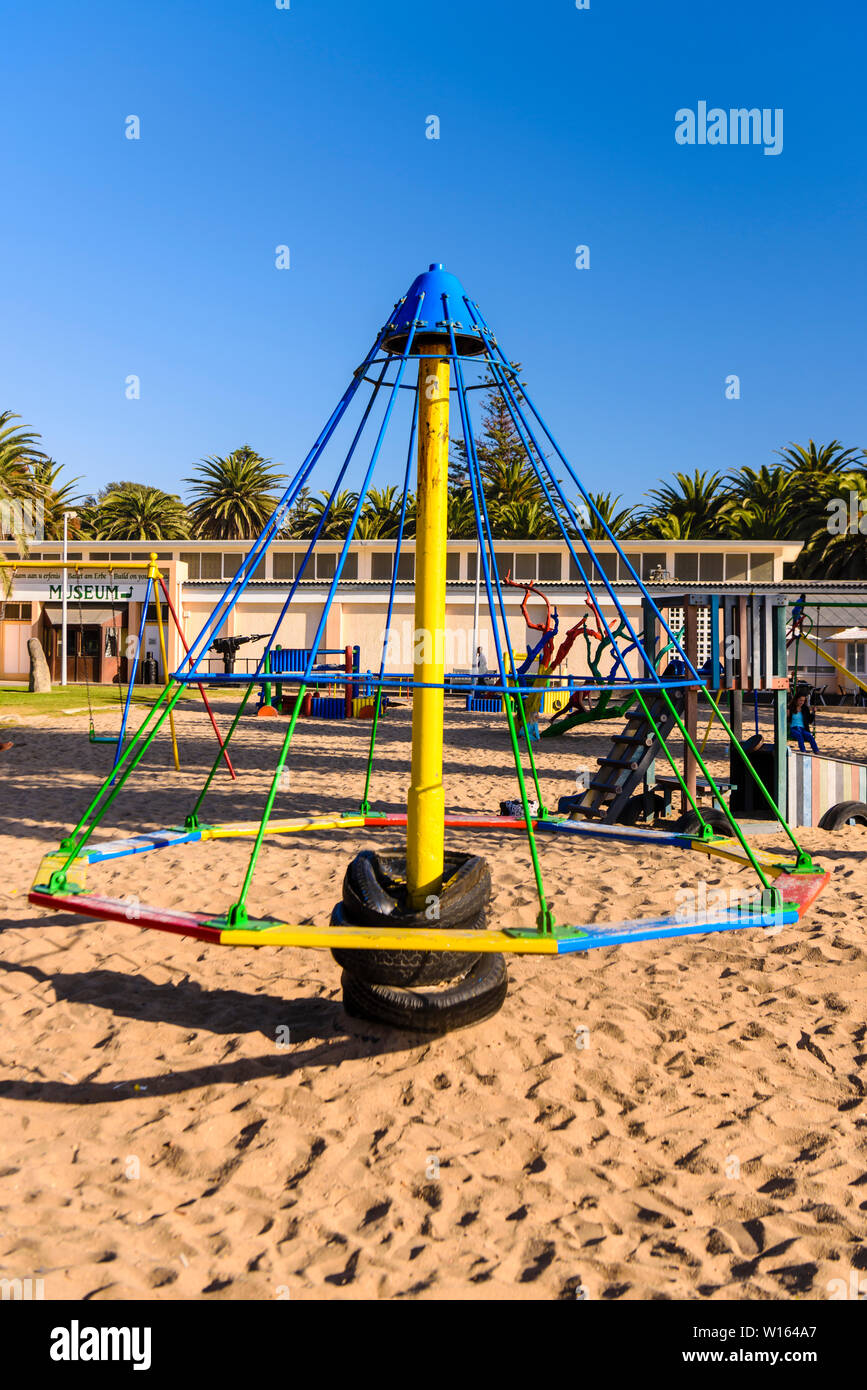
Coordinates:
<point>816,783</point>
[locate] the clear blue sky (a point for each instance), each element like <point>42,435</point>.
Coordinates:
<point>306,126</point>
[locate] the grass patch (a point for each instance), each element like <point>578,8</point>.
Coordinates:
<point>18,703</point>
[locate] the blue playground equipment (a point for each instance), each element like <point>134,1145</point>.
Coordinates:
<point>382,932</point>
<point>283,663</point>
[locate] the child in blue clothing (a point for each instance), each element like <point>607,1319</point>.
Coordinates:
<point>800,719</point>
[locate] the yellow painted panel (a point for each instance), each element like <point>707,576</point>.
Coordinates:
<point>76,874</point>
<point>391,939</point>
<point>284,827</point>
<point>730,849</point>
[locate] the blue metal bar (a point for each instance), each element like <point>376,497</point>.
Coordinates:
<point>118,753</point>
<point>517,416</point>
<point>320,526</point>
<point>480,320</point>
<point>342,677</point>
<point>480,507</point>
<point>374,458</point>
<point>242,577</point>
<point>400,537</point>
<point>482,511</point>
<point>317,638</point>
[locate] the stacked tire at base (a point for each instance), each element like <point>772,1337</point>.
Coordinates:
<point>423,991</point>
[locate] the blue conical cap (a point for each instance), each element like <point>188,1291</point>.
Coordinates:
<point>443,304</point>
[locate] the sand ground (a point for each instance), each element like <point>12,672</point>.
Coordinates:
<point>665,1120</point>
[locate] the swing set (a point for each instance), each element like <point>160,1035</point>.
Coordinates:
<point>156,591</point>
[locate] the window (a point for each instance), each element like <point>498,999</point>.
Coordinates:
<point>606,564</point>
<point>711,567</point>
<point>525,567</point>
<point>505,562</point>
<point>453,566</point>
<point>736,567</point>
<point>550,566</point>
<point>574,575</point>
<point>651,562</point>
<point>286,563</point>
<point>350,566</point>
<point>406,567</point>
<point>380,564</point>
<point>191,560</point>
<point>326,564</point>
<point>99,555</point>
<point>856,652</point>
<point>211,565</point>
<point>152,613</point>
<point>231,564</point>
<point>18,612</point>
<point>762,567</point>
<point>472,560</point>
<point>686,566</point>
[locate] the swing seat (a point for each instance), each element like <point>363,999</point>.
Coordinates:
<point>101,738</point>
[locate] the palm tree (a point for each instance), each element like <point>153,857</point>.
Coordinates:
<point>527,519</point>
<point>18,456</point>
<point>620,523</point>
<point>137,512</point>
<point>232,496</point>
<point>690,507</point>
<point>836,545</point>
<point>299,523</point>
<point>380,517</point>
<point>56,498</point>
<point>461,514</point>
<point>762,505</point>
<point>339,513</point>
<point>819,460</point>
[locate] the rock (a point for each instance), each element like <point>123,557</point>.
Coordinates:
<point>40,676</point>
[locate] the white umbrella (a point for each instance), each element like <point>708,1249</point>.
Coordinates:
<point>849,634</point>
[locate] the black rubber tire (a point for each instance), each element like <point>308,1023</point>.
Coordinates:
<point>476,997</point>
<point>374,895</point>
<point>404,968</point>
<point>689,823</point>
<point>374,888</point>
<point>845,811</point>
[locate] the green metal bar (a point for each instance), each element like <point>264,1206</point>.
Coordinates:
<point>507,701</point>
<point>237,916</point>
<point>114,782</point>
<point>545,919</point>
<point>192,820</point>
<point>364,808</point>
<point>739,834</point>
<point>674,767</point>
<point>803,857</point>
<point>781,698</point>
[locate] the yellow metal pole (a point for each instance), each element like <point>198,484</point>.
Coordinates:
<point>838,665</point>
<point>425,818</point>
<point>74,564</point>
<point>154,574</point>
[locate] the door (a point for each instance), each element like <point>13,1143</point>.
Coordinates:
<point>16,659</point>
<point>89,654</point>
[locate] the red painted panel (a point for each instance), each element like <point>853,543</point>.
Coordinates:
<point>802,889</point>
<point>115,910</point>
